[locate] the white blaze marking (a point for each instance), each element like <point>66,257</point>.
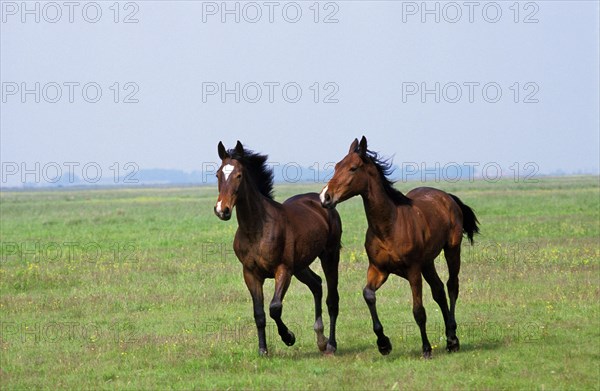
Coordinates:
<point>322,195</point>
<point>219,207</point>
<point>227,170</point>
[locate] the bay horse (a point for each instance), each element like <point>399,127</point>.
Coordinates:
<point>277,241</point>
<point>405,235</point>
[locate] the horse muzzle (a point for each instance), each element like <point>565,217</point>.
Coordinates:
<point>327,201</point>
<point>224,214</point>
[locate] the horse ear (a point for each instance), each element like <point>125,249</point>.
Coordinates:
<point>362,146</point>
<point>222,151</point>
<point>239,148</point>
<point>353,146</point>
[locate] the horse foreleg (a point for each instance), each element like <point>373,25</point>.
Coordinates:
<point>283,278</point>
<point>416,285</point>
<point>255,286</point>
<point>376,278</point>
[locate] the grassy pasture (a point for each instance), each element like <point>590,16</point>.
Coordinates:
<point>139,289</point>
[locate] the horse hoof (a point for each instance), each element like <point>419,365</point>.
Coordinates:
<point>322,343</point>
<point>384,345</point>
<point>452,345</point>
<point>330,350</point>
<point>263,352</point>
<point>289,339</point>
<point>427,354</point>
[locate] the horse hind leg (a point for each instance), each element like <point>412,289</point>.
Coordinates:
<point>439,295</point>
<point>452,255</point>
<point>330,263</point>
<point>314,283</point>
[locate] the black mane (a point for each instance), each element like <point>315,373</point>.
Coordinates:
<point>384,167</point>
<point>256,165</point>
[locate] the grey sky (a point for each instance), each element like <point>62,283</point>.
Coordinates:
<point>371,57</point>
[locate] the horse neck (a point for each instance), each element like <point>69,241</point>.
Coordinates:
<point>381,211</point>
<point>251,208</point>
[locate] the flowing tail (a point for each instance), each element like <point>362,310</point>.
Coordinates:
<point>470,221</point>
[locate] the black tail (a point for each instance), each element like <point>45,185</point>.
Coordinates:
<point>470,221</point>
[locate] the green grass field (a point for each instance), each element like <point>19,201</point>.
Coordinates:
<point>140,289</point>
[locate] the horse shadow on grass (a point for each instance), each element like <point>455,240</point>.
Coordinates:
<point>398,352</point>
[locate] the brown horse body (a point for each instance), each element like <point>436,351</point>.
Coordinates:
<point>405,235</point>
<point>292,241</point>
<point>400,235</point>
<point>276,240</point>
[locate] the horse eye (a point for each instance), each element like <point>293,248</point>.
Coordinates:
<point>353,168</point>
